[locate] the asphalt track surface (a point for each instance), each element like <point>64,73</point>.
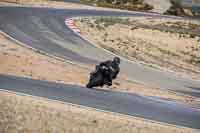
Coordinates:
<point>124,103</point>
<point>44,29</point>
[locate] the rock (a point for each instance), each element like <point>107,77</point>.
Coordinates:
<point>188,12</point>
<point>175,11</point>
<point>159,6</point>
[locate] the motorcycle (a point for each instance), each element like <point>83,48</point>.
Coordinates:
<point>97,78</point>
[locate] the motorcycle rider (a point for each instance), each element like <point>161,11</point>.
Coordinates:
<point>113,69</point>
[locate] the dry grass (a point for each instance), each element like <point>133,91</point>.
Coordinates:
<point>28,115</point>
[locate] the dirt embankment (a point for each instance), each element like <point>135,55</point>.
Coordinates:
<point>28,115</point>
<point>167,44</point>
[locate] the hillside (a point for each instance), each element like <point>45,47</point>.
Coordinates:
<point>184,8</point>
<point>120,4</point>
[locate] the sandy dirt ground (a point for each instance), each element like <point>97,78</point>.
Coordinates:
<point>28,115</point>
<point>161,43</point>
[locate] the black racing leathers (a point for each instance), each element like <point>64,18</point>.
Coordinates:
<point>113,70</point>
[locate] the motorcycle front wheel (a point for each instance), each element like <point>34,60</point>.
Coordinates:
<point>95,81</point>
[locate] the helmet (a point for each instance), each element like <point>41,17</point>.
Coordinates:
<point>116,60</point>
